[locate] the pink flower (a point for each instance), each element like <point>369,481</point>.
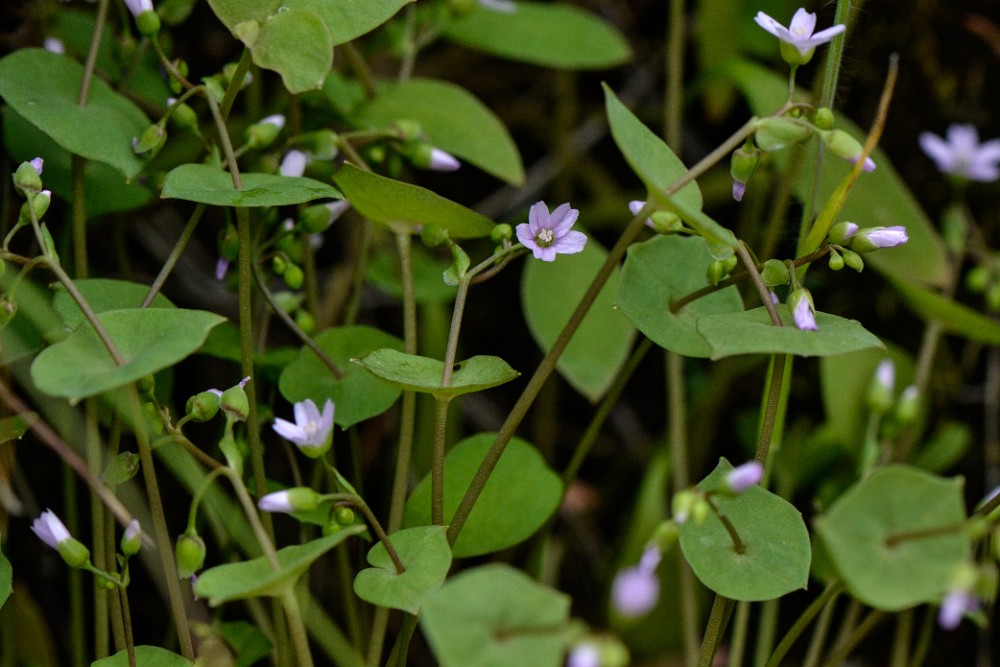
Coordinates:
<point>962,155</point>
<point>548,234</point>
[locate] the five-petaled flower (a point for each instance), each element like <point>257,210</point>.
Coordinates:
<point>548,234</point>
<point>798,34</point>
<point>962,155</point>
<point>311,432</point>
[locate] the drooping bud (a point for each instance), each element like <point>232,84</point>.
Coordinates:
<point>234,401</point>
<point>28,176</point>
<point>836,261</point>
<point>293,276</point>
<point>853,259</point>
<point>775,273</point>
<point>132,538</point>
<point>151,141</point>
<point>823,118</point>
<point>800,302</point>
<point>262,134</point>
<point>190,553</point>
<point>841,232</point>
<point>742,165</point>
<point>502,232</point>
<point>908,406</point>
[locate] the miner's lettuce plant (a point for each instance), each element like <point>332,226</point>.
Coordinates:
<point>341,461</point>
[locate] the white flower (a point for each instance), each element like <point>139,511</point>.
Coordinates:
<point>502,6</point>
<point>442,161</point>
<point>548,234</point>
<point>50,529</point>
<point>294,163</point>
<point>277,120</point>
<point>635,206</point>
<point>139,6</point>
<point>311,432</point>
<point>743,477</point>
<point>876,238</point>
<point>799,32</point>
<point>962,155</point>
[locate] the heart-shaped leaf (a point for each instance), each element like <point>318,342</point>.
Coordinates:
<point>211,185</point>
<point>425,554</point>
<point>414,373</point>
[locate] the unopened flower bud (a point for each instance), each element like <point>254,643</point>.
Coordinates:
<point>151,141</point>
<point>305,321</point>
<point>53,532</point>
<point>841,232</point>
<point>853,259</point>
<point>320,144</point>
<point>502,232</point>
<point>875,238</point>
<point>823,118</point>
<point>229,70</point>
<point>800,302</point>
<point>681,505</point>
<point>716,272</point>
<point>234,401</point>
<point>297,499</point>
<point>775,273</point>
<point>190,553</point>
<point>742,477</point>
<point>776,133</point>
<point>908,406</point>
<point>742,165</point>
<point>343,515</point>
<point>262,134</point>
<point>836,261</point>
<point>881,388</point>
<point>28,176</point>
<point>39,203</point>
<point>425,156</point>
<point>148,23</point>
<point>845,146</point>
<point>317,218</point>
<point>132,538</point>
<point>294,163</point>
<point>203,406</point>
<point>408,130</point>
<point>183,117</point>
<point>978,279</point>
<point>293,276</point>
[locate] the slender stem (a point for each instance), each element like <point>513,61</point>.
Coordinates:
<point>738,545</point>
<point>924,641</point>
<point>738,640</point>
<point>717,620</point>
<point>101,546</point>
<point>767,627</point>
<point>824,600</point>
<point>373,521</point>
<point>456,326</point>
<point>775,389</point>
<point>297,627</point>
<point>410,47</point>
<point>437,459</point>
<point>820,633</point>
<point>673,94</point>
<point>844,648</point>
<point>92,51</point>
<point>360,67</point>
<point>403,639</point>
<point>762,290</point>
<point>835,53</point>
<point>175,255</point>
<point>235,84</point>
<point>127,625</point>
<point>901,639</point>
<point>88,312</point>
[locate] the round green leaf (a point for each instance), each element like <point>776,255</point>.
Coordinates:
<point>234,12</point>
<point>454,121</point>
<point>103,294</point>
<point>550,35</point>
<point>145,656</point>
<point>425,554</point>
<point>347,20</point>
<point>751,332</point>
<point>496,615</point>
<point>43,88</point>
<point>664,269</point>
<point>891,503</point>
<point>256,578</point>
<point>295,43</point>
<point>149,339</point>
<point>400,204</point>
<point>211,185</point>
<point>413,373</point>
<point>550,292</point>
<point>358,395</point>
<point>776,555</point>
<point>520,496</point>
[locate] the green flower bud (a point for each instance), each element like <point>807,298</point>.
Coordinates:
<point>836,261</point>
<point>296,499</point>
<point>262,134</point>
<point>288,301</point>
<point>203,406</point>
<point>502,232</point>
<point>331,528</point>
<point>190,553</point>
<point>214,87</point>
<point>121,468</point>
<point>39,202</point>
<point>775,273</point>
<point>154,423</point>
<point>665,222</point>
<point>131,539</point>
<point>977,279</point>
<point>682,504</point>
<point>433,235</point>
<point>229,69</point>
<point>907,407</point>
<point>461,7</point>
<point>146,384</point>
<point>881,387</point>
<point>716,272</point>
<point>234,401</point>
<point>305,321</point>
<point>294,277</point>
<point>776,133</point>
<point>665,536</point>
<point>742,165</point>
<point>148,23</point>
<point>853,259</point>
<point>74,553</point>
<point>408,130</point>
<point>7,310</point>
<point>151,141</point>
<point>279,264</point>
<point>28,177</point>
<point>320,144</point>
<point>842,144</point>
<point>459,266</point>
<point>842,232</point>
<point>343,515</point>
<point>823,118</point>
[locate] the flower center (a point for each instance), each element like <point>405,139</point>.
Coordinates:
<point>544,238</point>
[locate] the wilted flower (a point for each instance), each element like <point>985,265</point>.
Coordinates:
<point>311,432</point>
<point>548,234</point>
<point>798,34</point>
<point>742,477</point>
<point>962,155</point>
<point>636,590</point>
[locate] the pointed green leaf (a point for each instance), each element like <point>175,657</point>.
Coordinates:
<point>425,555</point>
<point>145,656</point>
<point>103,294</point>
<point>257,578</point>
<point>295,43</point>
<point>348,19</point>
<point>358,395</point>
<point>454,121</point>
<point>43,88</point>
<point>550,35</point>
<point>149,339</point>
<point>414,373</point>
<point>866,533</point>
<point>776,555</point>
<point>401,205</point>
<point>550,292</point>
<point>660,271</point>
<point>751,332</point>
<point>211,185</point>
<point>520,496</point>
<point>496,615</point>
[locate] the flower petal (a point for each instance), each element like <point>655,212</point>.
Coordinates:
<point>288,430</point>
<point>563,218</point>
<point>772,26</point>
<point>525,235</point>
<point>570,243</point>
<point>538,218</point>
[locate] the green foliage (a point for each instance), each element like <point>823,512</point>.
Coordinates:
<point>295,43</point>
<point>6,579</point>
<point>102,294</point>
<point>414,373</point>
<point>550,35</point>
<point>426,557</point>
<point>550,292</point>
<point>249,643</point>
<point>952,316</point>
<point>258,578</point>
<point>149,340</point>
<point>520,496</point>
<point>495,615</point>
<point>885,537</point>
<point>43,88</point>
<point>210,185</point>
<point>145,656</point>
<point>348,19</point>
<point>776,555</point>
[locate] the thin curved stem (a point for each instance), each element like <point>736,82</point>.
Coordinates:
<point>824,599</point>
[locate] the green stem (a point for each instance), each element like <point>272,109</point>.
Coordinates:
<point>776,388</point>
<point>92,51</point>
<point>901,639</point>
<point>437,458</point>
<point>738,545</point>
<point>843,649</point>
<point>175,255</point>
<point>820,633</point>
<point>824,599</point>
<point>924,641</point>
<point>762,291</point>
<point>835,53</point>
<point>297,627</point>
<point>717,620</point>
<point>373,521</point>
<point>127,625</point>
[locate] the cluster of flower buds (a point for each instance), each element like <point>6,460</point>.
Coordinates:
<point>419,151</point>
<point>848,240</point>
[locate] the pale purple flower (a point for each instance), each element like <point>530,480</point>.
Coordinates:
<point>502,6</point>
<point>636,590</point>
<point>54,45</point>
<point>548,234</point>
<point>803,311</point>
<point>954,606</point>
<point>221,268</point>
<point>635,206</point>
<point>276,502</point>
<point>132,539</point>
<point>38,163</point>
<point>133,530</point>
<point>962,155</point>
<point>885,237</point>
<point>139,6</point>
<point>311,431</point>
<point>337,208</point>
<point>885,375</point>
<point>277,120</point>
<point>741,478</point>
<point>868,166</point>
<point>799,33</point>
<point>50,529</point>
<point>294,163</point>
<point>739,188</point>
<point>442,161</point>
<point>584,654</point>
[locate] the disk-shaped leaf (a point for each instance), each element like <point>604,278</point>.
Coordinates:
<point>358,395</point>
<point>660,271</point>
<point>210,185</point>
<point>520,496</point>
<point>951,315</point>
<point>884,536</point>
<point>149,340</point>
<point>103,294</point>
<point>347,19</point>
<point>776,555</point>
<point>549,35</point>
<point>550,292</point>
<point>751,332</point>
<point>425,555</point>
<point>454,121</point>
<point>401,205</point>
<point>234,12</point>
<point>414,373</point>
<point>145,656</point>
<point>257,578</point>
<point>43,87</point>
<point>295,43</point>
